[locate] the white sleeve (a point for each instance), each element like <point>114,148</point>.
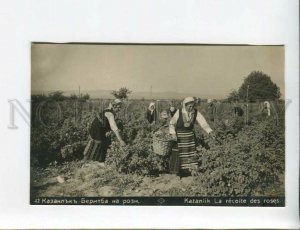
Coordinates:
<point>173,122</point>
<point>202,122</point>
<point>111,119</point>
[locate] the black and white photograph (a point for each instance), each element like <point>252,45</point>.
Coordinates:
<point>160,114</point>
<point>157,124</point>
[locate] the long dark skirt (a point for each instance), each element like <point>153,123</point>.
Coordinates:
<point>183,156</point>
<point>96,150</point>
<point>174,161</point>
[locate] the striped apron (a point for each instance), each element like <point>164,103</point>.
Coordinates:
<point>98,142</point>
<point>183,156</point>
<point>187,149</point>
<point>95,150</point>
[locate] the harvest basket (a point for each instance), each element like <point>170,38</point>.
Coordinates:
<point>161,147</point>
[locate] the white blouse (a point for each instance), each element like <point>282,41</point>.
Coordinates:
<point>200,119</point>
<point>111,119</point>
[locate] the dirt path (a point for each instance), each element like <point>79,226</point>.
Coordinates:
<point>95,179</point>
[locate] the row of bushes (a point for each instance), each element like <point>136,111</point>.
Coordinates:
<point>242,160</point>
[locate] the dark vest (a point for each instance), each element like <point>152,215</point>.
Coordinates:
<point>99,128</point>
<point>151,117</point>
<point>180,122</point>
<point>172,113</point>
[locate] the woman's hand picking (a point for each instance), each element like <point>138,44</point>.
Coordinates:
<point>122,143</point>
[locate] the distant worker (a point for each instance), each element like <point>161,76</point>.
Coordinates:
<point>267,108</point>
<point>172,111</point>
<point>151,114</point>
<point>212,109</point>
<point>164,117</point>
<point>238,111</point>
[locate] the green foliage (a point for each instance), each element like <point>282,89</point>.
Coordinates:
<point>261,87</point>
<point>63,142</point>
<point>233,96</point>
<point>246,163</point>
<point>73,96</point>
<point>57,96</point>
<point>122,93</point>
<point>85,96</point>
<point>38,97</point>
<point>135,159</point>
<point>73,151</point>
<point>242,160</point>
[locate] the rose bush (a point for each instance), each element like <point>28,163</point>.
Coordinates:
<point>242,160</point>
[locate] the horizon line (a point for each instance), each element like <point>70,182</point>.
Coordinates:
<point>132,91</point>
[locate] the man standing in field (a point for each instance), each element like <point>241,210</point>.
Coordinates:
<point>99,130</point>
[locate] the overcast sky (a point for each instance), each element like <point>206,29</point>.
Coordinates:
<point>180,68</point>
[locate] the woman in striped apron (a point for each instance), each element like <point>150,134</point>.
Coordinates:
<point>99,130</point>
<point>183,156</point>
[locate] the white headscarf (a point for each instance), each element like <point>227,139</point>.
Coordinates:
<point>115,102</point>
<point>152,104</point>
<point>188,99</point>
<point>267,104</point>
<point>187,114</point>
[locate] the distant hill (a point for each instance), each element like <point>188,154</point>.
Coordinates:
<point>137,95</point>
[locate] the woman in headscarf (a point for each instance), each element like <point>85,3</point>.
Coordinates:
<point>151,114</point>
<point>172,111</point>
<point>267,108</point>
<point>164,117</point>
<point>99,131</point>
<point>212,109</point>
<point>183,156</point>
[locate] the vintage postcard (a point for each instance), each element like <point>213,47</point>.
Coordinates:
<point>157,124</point>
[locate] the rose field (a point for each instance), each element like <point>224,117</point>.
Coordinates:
<point>247,157</point>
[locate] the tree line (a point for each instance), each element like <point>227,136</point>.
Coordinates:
<point>59,96</point>
<point>257,86</point>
